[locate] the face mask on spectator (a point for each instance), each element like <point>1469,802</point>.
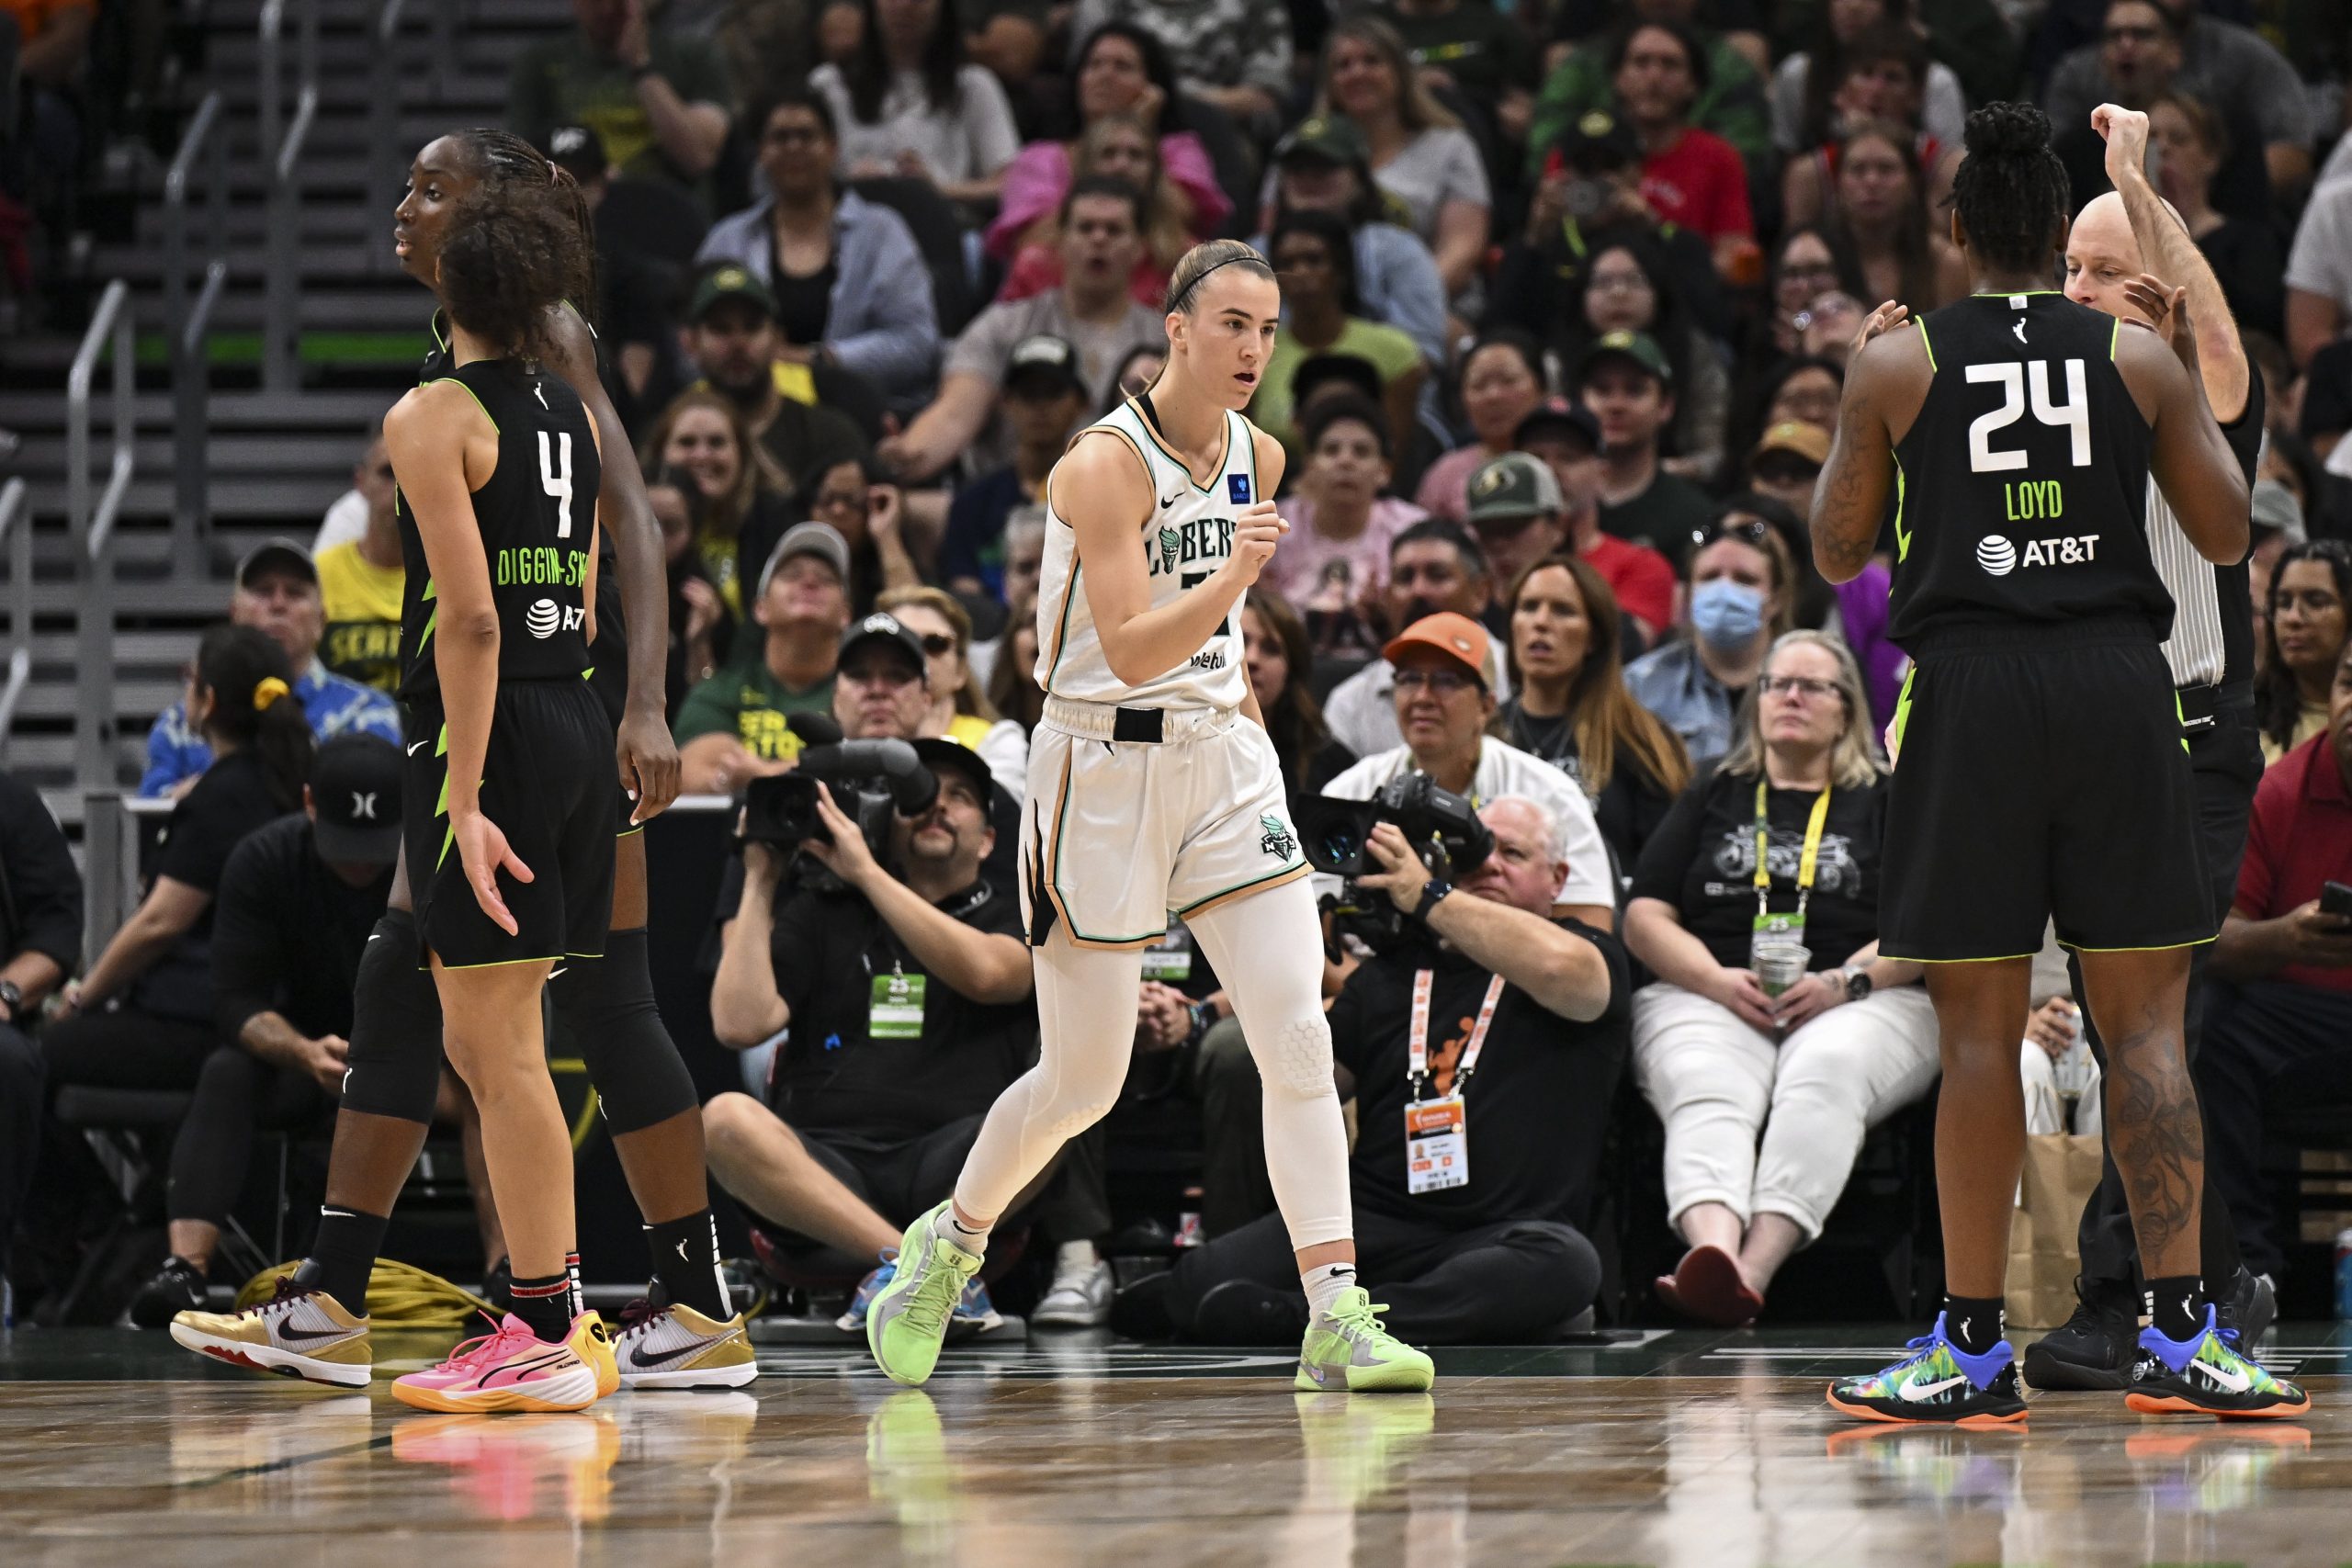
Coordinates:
<point>1727,614</point>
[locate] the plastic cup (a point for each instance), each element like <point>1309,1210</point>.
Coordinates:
<point>1779,964</point>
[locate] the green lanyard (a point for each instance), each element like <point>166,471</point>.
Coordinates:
<point>1806,863</point>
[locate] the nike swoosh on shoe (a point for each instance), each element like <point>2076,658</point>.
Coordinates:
<point>661,1358</point>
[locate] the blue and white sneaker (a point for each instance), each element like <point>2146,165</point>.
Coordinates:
<point>874,1284</point>
<point>1939,1382</point>
<point>974,1313</point>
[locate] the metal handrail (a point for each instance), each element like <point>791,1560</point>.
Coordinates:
<point>384,127</point>
<point>281,329</point>
<point>93,529</point>
<point>191,511</point>
<point>16,535</point>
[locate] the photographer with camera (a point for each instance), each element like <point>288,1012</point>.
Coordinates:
<point>904,979</point>
<point>1465,1246</point>
<point>1444,705</point>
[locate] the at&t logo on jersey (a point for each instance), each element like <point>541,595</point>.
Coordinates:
<point>544,619</point>
<point>2000,557</point>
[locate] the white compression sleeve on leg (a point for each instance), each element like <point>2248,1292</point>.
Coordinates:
<point>1086,1016</point>
<point>1268,949</point>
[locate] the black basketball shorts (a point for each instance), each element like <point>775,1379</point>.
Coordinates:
<point>548,782</point>
<point>2042,774</point>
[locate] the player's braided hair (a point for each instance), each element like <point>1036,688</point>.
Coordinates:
<point>508,166</point>
<point>2011,191</point>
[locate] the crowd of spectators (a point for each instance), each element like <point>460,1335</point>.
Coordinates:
<point>1568,293</point>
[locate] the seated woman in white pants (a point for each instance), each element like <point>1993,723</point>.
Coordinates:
<point>1766,1096</point>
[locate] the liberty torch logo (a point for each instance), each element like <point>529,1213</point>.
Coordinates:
<point>1170,541</point>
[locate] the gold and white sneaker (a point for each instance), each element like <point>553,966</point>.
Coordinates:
<point>676,1346</point>
<point>294,1334</point>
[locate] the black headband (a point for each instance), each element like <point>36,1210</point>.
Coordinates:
<point>1202,276</point>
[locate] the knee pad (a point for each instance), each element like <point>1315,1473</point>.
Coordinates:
<point>606,1007</point>
<point>395,1059</point>
<point>1297,1060</point>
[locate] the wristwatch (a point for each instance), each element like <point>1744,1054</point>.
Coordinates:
<point>1857,982</point>
<point>1436,888</point>
<point>12,997</point>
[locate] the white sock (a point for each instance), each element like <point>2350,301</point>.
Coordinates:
<point>947,1227</point>
<point>1323,1284</point>
<point>1076,1257</point>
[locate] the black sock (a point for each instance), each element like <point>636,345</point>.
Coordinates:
<point>685,1265</point>
<point>542,1303</point>
<point>2177,1303</point>
<point>343,1255</point>
<point>1973,1323</point>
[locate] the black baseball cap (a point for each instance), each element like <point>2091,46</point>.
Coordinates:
<point>1598,142</point>
<point>356,793</point>
<point>729,282</point>
<point>578,152</point>
<point>1327,138</point>
<point>938,752</point>
<point>276,555</point>
<point>1555,414</point>
<point>882,627</point>
<point>1043,363</point>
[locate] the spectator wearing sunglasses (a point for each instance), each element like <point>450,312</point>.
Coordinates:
<point>360,581</point>
<point>1444,705</point>
<point>1741,591</point>
<point>960,711</point>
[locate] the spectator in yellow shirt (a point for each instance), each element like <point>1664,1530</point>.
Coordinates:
<point>360,582</point>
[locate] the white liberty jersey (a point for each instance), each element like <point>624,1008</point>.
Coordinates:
<point>1188,536</point>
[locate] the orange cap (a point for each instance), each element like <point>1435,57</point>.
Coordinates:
<point>1457,636</point>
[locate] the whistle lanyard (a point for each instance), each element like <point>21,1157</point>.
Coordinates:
<point>1417,1066</point>
<point>1806,863</point>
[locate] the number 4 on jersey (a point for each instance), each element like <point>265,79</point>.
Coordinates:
<point>555,477</point>
<point>2073,416</point>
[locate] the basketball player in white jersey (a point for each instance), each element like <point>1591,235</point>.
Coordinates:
<point>1153,788</point>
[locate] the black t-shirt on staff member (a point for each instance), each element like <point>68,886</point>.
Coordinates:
<point>289,932</point>
<point>1535,1109</point>
<point>833,1076</point>
<point>1701,859</point>
<point>230,801</point>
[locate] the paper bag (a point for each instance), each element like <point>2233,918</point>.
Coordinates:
<point>2061,1169</point>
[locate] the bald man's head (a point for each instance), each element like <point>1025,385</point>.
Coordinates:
<point>2101,256</point>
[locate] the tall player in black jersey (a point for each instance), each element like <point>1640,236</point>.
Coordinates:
<point>508,818</point>
<point>318,1326</point>
<point>2041,771</point>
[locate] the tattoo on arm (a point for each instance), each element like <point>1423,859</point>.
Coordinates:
<point>1843,529</point>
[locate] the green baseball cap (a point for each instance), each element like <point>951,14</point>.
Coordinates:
<point>730,282</point>
<point>1512,486</point>
<point>1639,348</point>
<point>1334,137</point>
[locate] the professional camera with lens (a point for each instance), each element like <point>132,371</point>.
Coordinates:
<point>871,780</point>
<point>1440,825</point>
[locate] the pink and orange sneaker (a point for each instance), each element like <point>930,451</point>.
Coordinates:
<point>515,1369</point>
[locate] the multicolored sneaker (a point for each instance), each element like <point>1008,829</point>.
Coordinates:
<point>974,1313</point>
<point>1938,1381</point>
<point>2206,1375</point>
<point>854,1320</point>
<point>1347,1350</point>
<point>676,1346</point>
<point>907,1320</point>
<point>296,1333</point>
<point>515,1369</point>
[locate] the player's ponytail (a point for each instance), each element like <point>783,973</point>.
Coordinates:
<point>2011,191</point>
<point>510,168</point>
<point>254,704</point>
<point>510,258</point>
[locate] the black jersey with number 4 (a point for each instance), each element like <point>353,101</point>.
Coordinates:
<point>2022,486</point>
<point>537,516</point>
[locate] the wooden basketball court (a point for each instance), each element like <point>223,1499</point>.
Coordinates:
<point>1695,1449</point>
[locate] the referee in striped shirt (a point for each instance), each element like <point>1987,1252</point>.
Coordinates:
<point>2116,239</point>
